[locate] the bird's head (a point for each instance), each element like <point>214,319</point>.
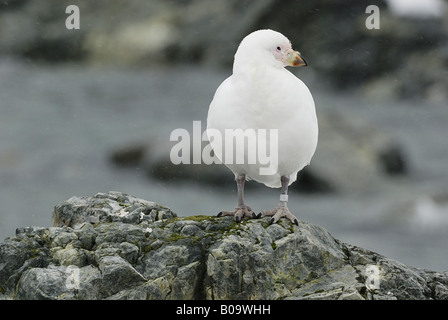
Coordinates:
<point>268,47</point>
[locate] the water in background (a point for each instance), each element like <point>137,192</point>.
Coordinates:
<point>59,124</point>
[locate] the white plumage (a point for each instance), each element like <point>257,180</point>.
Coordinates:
<point>262,94</point>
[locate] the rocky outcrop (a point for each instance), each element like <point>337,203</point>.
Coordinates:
<point>115,246</point>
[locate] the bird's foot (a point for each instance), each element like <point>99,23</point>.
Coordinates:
<point>239,213</point>
<point>277,213</point>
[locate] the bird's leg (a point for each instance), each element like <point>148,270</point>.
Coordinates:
<point>241,210</point>
<point>282,209</point>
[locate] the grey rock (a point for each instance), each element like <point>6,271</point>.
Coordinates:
<point>111,206</point>
<point>44,283</point>
<point>89,286</point>
<point>70,256</point>
<point>198,257</point>
<point>117,274</point>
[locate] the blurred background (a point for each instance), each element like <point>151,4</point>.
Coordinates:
<point>91,110</point>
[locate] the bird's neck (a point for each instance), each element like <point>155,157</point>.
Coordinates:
<point>257,76</point>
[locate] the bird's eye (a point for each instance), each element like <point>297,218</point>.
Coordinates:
<point>279,49</point>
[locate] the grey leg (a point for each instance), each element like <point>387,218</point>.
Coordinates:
<point>281,210</point>
<point>241,210</point>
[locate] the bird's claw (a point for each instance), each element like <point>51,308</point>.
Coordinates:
<point>277,213</point>
<point>239,213</point>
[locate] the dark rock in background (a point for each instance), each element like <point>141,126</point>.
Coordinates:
<point>405,57</point>
<point>128,155</point>
<point>393,161</point>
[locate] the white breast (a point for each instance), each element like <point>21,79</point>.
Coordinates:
<point>268,99</point>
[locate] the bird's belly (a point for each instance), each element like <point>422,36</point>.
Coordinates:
<point>286,151</point>
<point>296,146</point>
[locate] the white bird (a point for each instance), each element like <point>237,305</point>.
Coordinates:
<point>262,94</point>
